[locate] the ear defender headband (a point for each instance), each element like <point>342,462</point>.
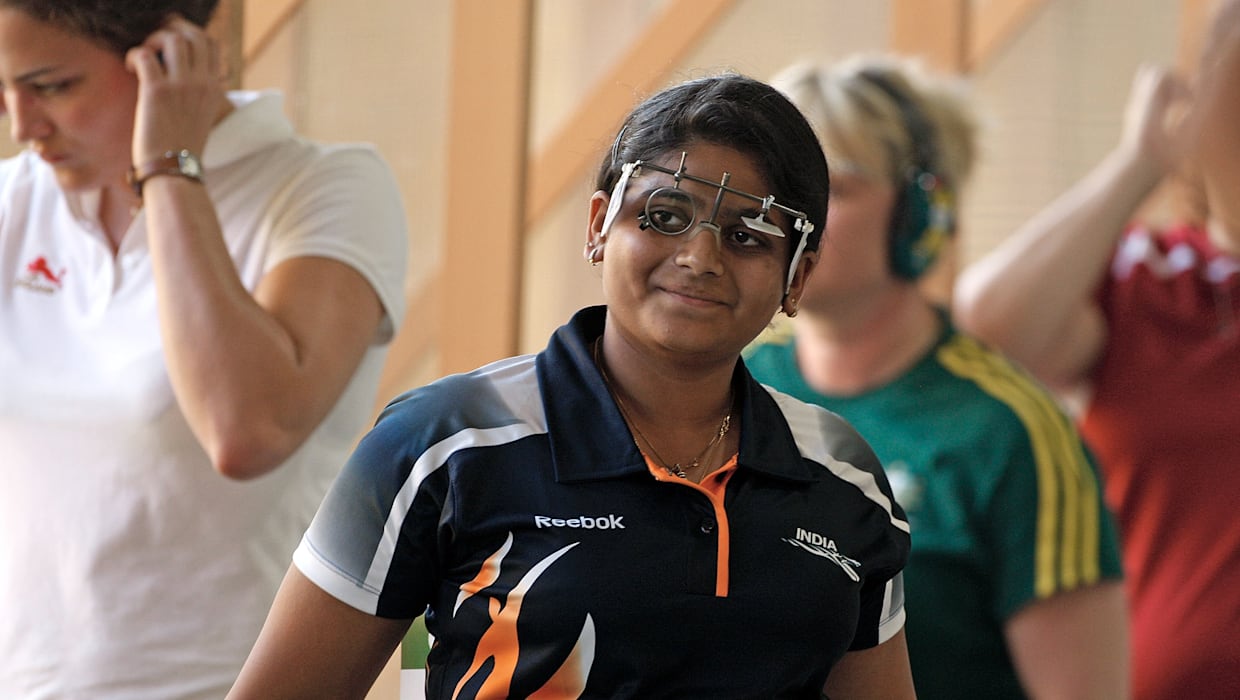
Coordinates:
<point>924,216</point>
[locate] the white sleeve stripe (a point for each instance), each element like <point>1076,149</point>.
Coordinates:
<point>890,626</point>
<point>893,611</point>
<point>865,482</point>
<point>809,425</point>
<point>431,460</point>
<point>333,581</point>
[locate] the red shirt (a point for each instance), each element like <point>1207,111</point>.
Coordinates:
<point>1165,422</point>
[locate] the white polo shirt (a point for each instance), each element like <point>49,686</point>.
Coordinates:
<point>128,567</point>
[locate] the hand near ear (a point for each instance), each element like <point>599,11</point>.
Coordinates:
<point>180,95</point>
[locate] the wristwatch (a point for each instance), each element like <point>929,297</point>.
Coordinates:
<point>182,163</point>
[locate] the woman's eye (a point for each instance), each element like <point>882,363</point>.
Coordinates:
<point>748,239</point>
<point>671,218</point>
<point>667,220</point>
<point>52,88</point>
<point>668,211</point>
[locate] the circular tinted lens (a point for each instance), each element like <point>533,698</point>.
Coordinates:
<point>669,211</point>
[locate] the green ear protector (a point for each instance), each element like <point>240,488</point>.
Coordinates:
<point>924,216</point>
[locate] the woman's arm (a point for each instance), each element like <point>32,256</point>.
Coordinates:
<point>314,646</point>
<point>253,374</point>
<point>1033,295</point>
<point>878,673</point>
<point>1073,645</point>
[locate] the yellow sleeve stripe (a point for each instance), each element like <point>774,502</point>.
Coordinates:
<point>1067,553</point>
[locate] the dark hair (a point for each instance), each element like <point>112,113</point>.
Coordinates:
<point>118,25</point>
<point>737,112</point>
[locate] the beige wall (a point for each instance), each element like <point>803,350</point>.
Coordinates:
<point>379,71</point>
<point>1051,101</point>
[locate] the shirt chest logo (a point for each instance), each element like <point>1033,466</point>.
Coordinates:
<point>42,276</point>
<point>823,546</point>
<point>611,521</point>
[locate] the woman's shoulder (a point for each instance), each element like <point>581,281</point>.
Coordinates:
<point>995,394</point>
<point>821,435</point>
<point>22,166</point>
<point>491,397</point>
<point>257,134</point>
<point>26,183</point>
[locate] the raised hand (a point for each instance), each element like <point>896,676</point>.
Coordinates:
<point>180,90</point>
<point>1156,125</point>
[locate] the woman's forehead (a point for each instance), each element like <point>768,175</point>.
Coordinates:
<point>710,162</point>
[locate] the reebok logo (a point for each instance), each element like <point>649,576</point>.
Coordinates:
<point>40,277</point>
<point>584,522</point>
<point>823,546</point>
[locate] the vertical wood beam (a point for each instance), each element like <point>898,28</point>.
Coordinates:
<point>487,136</point>
<point>263,20</point>
<point>994,23</point>
<point>936,30</point>
<point>227,28</point>
<point>567,156</point>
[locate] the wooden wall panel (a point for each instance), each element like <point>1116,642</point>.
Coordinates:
<point>486,177</point>
<point>992,26</point>
<point>644,66</point>
<point>933,29</point>
<point>263,20</point>
<point>227,28</point>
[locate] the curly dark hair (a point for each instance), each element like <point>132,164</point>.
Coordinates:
<point>737,112</point>
<point>118,25</point>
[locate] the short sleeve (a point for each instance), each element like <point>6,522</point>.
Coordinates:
<point>1049,531</point>
<point>388,497</point>
<point>346,206</point>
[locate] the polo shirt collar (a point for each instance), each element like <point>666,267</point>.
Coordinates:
<point>257,121</point>
<point>590,440</point>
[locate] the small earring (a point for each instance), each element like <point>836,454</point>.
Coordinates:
<point>793,312</point>
<point>593,258</point>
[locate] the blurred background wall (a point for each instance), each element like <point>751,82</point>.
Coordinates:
<point>493,113</point>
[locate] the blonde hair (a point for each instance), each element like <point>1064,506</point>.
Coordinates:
<point>864,128</point>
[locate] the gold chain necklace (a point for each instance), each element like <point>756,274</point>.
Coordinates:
<point>676,468</point>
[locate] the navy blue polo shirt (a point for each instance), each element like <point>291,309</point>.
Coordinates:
<point>511,505</point>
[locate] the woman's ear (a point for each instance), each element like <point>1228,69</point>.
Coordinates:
<point>596,237</point>
<point>791,301</point>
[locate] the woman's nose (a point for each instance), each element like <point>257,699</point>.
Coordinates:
<point>702,249</point>
<point>27,122</point>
